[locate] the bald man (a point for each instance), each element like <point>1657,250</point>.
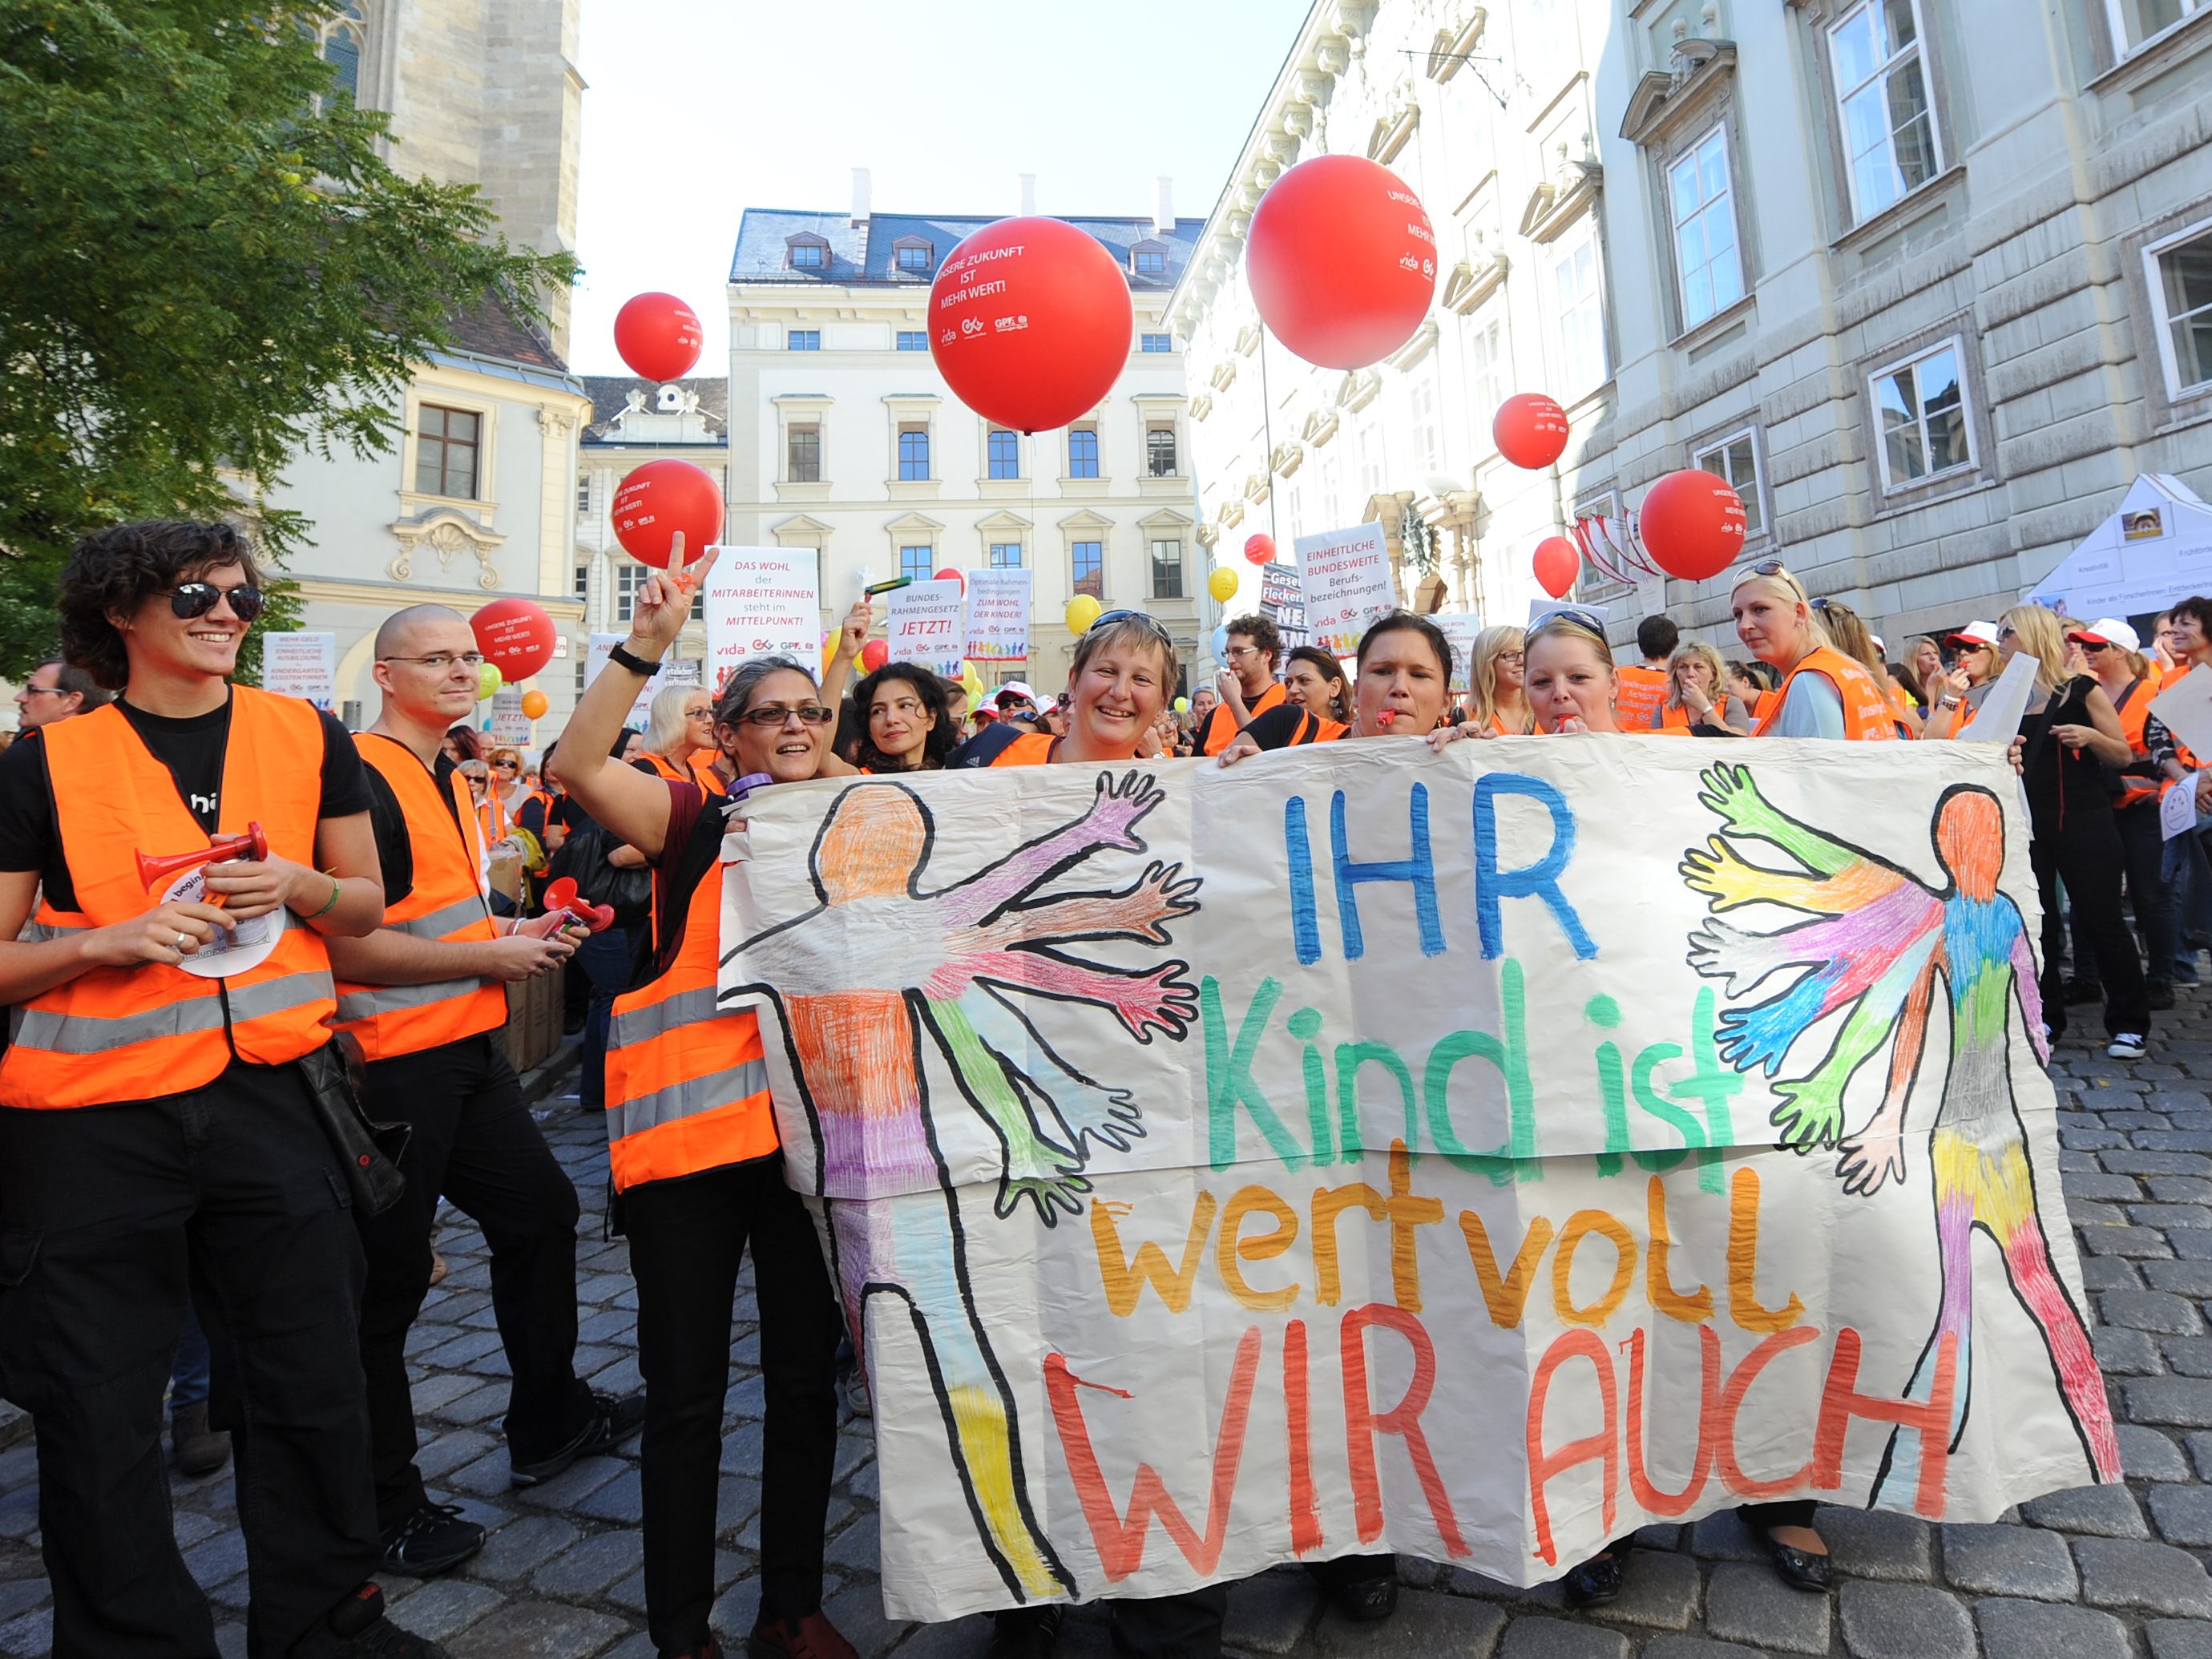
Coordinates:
<point>425,995</point>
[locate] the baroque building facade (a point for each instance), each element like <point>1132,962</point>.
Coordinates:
<point>1930,280</point>
<point>843,437</point>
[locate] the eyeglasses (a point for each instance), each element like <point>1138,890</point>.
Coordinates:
<point>508,766</point>
<point>699,715</point>
<point>190,600</point>
<point>1512,656</point>
<point>45,690</point>
<point>1763,568</point>
<point>2091,645</point>
<point>776,713</point>
<point>2005,631</point>
<point>442,662</point>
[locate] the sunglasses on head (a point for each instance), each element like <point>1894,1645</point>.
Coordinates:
<point>1582,618</point>
<point>190,600</point>
<point>1151,624</point>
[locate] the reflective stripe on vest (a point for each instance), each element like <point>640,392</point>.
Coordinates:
<point>687,1086</point>
<point>124,1034</point>
<point>446,904</point>
<point>1867,714</point>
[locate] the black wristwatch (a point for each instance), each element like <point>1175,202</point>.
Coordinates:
<point>636,665</point>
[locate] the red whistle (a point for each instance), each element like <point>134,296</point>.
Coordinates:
<point>561,895</point>
<point>156,873</point>
<point>1386,717</point>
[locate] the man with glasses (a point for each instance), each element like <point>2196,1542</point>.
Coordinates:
<point>1247,686</point>
<point>182,1007</point>
<point>54,692</point>
<point>424,995</point>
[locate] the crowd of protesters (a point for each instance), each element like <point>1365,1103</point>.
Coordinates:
<point>201,1200</point>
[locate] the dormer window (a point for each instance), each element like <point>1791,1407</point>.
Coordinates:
<point>1148,260</point>
<point>912,255</point>
<point>808,251</point>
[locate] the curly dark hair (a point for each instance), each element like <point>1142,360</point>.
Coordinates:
<point>1339,697</point>
<point>930,690</point>
<point>115,571</point>
<point>2198,610</point>
<point>1263,633</point>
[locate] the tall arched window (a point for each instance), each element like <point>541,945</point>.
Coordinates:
<point>340,41</point>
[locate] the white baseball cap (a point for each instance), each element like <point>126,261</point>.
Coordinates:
<point>1015,688</point>
<point>2108,630</point>
<point>1976,632</point>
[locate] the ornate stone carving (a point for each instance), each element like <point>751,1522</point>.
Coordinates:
<point>453,539</point>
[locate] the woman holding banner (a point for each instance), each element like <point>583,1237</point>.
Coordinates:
<point>695,1156</point>
<point>1402,688</point>
<point>1314,680</point>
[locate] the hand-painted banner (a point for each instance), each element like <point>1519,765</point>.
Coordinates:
<point>1475,1155</point>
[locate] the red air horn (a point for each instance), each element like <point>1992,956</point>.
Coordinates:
<point>155,873</point>
<point>561,895</point>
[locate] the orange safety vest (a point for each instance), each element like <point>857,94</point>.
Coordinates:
<point>1315,728</point>
<point>120,1034</point>
<point>1221,726</point>
<point>2133,707</point>
<point>1642,691</point>
<point>699,770</point>
<point>1867,715</point>
<point>687,1086</point>
<point>1031,748</point>
<point>1673,721</point>
<point>447,903</point>
<point>491,817</point>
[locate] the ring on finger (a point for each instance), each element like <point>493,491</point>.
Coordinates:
<point>182,939</point>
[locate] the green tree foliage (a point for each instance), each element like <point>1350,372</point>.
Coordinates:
<point>207,266</point>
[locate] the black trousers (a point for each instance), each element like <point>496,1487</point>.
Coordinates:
<point>100,1210</point>
<point>2143,851</point>
<point>476,1143</point>
<point>687,1240</point>
<point>2084,852</point>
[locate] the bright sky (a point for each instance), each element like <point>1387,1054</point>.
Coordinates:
<point>698,109</point>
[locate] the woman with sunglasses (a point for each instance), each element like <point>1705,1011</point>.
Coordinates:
<point>1958,699</point>
<point>695,1156</point>
<point>1824,693</point>
<point>906,725</point>
<point>1497,695</point>
<point>679,737</point>
<point>2113,651</point>
<point>1123,672</point>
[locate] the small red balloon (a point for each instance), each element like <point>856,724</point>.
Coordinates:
<point>1030,322</point>
<point>1530,430</point>
<point>1342,261</point>
<point>1260,548</point>
<point>659,336</point>
<point>1692,523</point>
<point>658,499</point>
<point>1557,564</point>
<point>949,574</point>
<point>516,637</point>
<point>874,654</point>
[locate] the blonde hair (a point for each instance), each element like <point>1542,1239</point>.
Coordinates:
<point>1782,585</point>
<point>1696,651</point>
<point>1567,628</point>
<point>667,732</point>
<point>2043,637</point>
<point>1490,645</point>
<point>1912,655</point>
<point>1851,636</point>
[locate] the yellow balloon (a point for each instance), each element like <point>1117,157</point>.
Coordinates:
<point>970,681</point>
<point>535,703</point>
<point>1082,611</point>
<point>1222,584</point>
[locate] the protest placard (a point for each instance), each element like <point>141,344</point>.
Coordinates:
<point>1462,629</point>
<point>761,602</point>
<point>595,658</point>
<point>927,626</point>
<point>1366,1149</point>
<point>509,725</point>
<point>301,664</point>
<point>1282,600</point>
<point>999,615</point>
<point>1345,578</point>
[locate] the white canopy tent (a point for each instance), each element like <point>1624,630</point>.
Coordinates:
<point>2155,550</point>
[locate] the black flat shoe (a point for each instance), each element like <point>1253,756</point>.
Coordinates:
<point>1594,1583</point>
<point>1799,1569</point>
<point>1368,1601</point>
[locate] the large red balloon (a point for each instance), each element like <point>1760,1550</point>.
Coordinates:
<point>1342,261</point>
<point>949,574</point>
<point>1260,548</point>
<point>1030,322</point>
<point>1557,564</point>
<point>658,499</point>
<point>659,336</point>
<point>1530,430</point>
<point>516,637</point>
<point>1692,523</point>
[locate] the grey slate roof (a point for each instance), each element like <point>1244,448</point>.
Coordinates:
<point>864,255</point>
<point>610,393</point>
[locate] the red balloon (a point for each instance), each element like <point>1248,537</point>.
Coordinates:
<point>1691,523</point>
<point>874,654</point>
<point>949,574</point>
<point>658,499</point>
<point>1342,261</point>
<point>516,637</point>
<point>1030,322</point>
<point>1530,430</point>
<point>1260,548</point>
<point>1557,563</point>
<point>659,336</point>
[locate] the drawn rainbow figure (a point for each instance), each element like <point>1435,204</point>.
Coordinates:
<point>1884,939</point>
<point>968,952</point>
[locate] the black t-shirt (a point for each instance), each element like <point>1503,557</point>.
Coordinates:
<point>395,848</point>
<point>1280,727</point>
<point>192,749</point>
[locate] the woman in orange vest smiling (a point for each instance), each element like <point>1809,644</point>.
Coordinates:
<point>1824,693</point>
<point>177,1006</point>
<point>697,1169</point>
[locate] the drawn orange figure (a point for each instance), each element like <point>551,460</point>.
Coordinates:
<point>1885,940</point>
<point>955,964</point>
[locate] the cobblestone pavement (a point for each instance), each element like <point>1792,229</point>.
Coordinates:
<point>2094,1574</point>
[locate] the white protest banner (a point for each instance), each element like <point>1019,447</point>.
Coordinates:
<point>1347,577</point>
<point>1367,1149</point>
<point>509,725</point>
<point>669,673</point>
<point>1462,629</point>
<point>999,615</point>
<point>927,626</point>
<point>761,602</point>
<point>2185,709</point>
<point>303,664</point>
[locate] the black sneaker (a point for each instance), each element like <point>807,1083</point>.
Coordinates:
<point>2079,991</point>
<point>357,1629</point>
<point>611,1422</point>
<point>2160,993</point>
<point>431,1540</point>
